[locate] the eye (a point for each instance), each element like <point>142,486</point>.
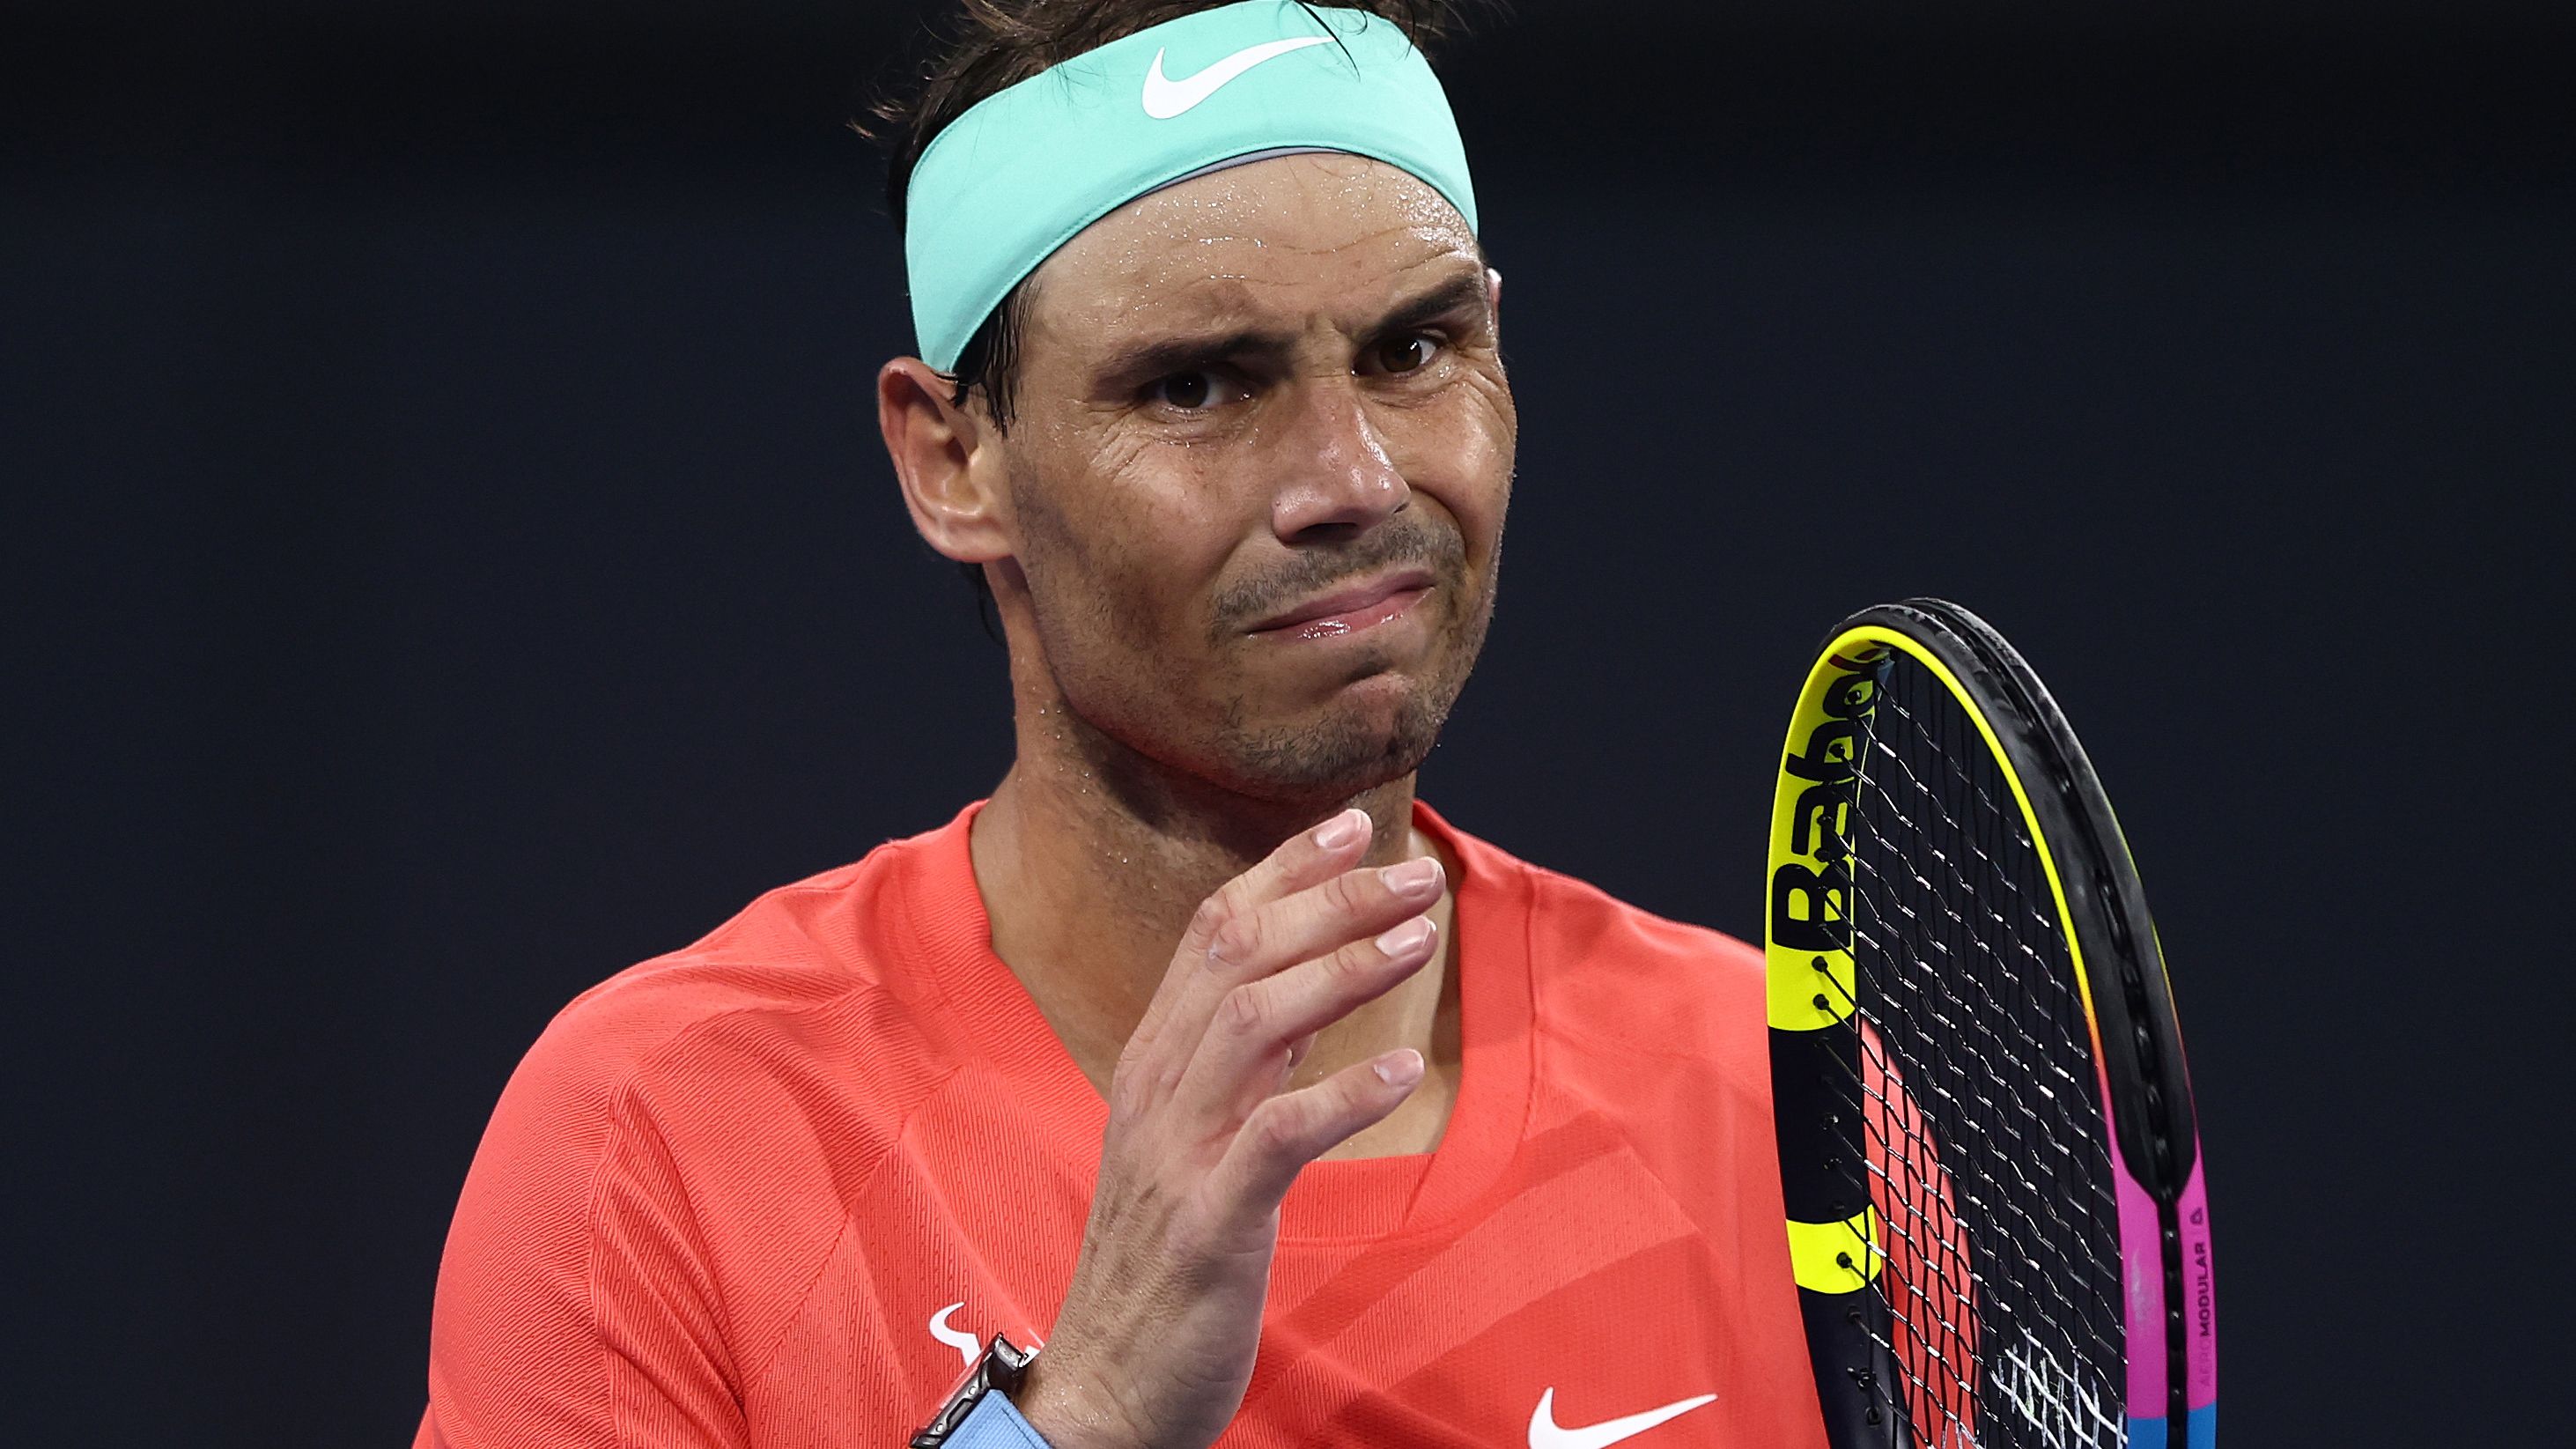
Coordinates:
<point>1187,391</point>
<point>1408,352</point>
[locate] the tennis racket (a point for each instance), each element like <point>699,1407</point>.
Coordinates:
<point>1988,1153</point>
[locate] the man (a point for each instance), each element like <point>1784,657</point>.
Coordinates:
<point>1282,1109</point>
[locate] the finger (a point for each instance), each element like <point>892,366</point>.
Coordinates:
<point>1248,1047</point>
<point>1294,1128</point>
<point>1300,861</point>
<point>1350,906</point>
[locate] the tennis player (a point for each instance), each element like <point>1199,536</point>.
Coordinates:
<point>1265,1104</point>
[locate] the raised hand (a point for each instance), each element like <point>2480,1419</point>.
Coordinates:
<point>1155,1341</point>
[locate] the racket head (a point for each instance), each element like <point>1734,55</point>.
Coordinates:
<point>1989,1156</point>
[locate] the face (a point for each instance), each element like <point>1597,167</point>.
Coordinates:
<point>1256,474</point>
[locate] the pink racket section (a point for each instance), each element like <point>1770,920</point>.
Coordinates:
<point>2200,1309</point>
<point>2143,1285</point>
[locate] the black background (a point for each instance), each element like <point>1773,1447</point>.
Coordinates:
<point>450,558</point>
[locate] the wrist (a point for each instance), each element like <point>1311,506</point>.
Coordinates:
<point>1071,1411</point>
<point>994,1376</point>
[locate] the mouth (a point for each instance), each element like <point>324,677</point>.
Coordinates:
<point>1351,609</point>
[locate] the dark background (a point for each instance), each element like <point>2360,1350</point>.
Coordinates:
<point>450,558</point>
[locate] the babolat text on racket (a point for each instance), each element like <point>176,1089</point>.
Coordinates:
<point>1988,1152</point>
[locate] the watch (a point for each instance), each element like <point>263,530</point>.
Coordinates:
<point>999,1369</point>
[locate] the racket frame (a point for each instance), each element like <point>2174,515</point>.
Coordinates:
<point>2168,1307</point>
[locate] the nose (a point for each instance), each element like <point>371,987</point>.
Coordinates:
<point>1336,475</point>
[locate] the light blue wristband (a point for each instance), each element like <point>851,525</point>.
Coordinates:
<point>995,1424</point>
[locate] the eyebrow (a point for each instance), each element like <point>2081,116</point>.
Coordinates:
<point>1165,356</point>
<point>1461,293</point>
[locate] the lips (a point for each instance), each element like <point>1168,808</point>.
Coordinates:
<point>1344,601</point>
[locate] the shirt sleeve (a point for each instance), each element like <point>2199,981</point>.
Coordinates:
<point>995,1423</point>
<point>576,1307</point>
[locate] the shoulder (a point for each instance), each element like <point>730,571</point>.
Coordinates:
<point>809,997</point>
<point>685,1124</point>
<point>628,1055</point>
<point>1577,916</point>
<point>1606,969</point>
<point>760,977</point>
<point>843,945</point>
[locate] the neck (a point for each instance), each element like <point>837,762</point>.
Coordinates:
<point>1091,858</point>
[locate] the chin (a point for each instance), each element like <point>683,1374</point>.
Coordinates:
<point>1366,736</point>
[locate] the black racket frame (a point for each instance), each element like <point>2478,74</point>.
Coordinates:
<point>1823,1167</point>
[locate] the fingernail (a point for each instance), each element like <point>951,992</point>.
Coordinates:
<point>1413,877</point>
<point>1407,937</point>
<point>1399,1069</point>
<point>1342,829</point>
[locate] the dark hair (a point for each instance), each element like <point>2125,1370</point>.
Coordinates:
<point>996,44</point>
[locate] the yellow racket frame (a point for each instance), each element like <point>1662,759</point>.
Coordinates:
<point>1812,984</point>
<point>1810,989</point>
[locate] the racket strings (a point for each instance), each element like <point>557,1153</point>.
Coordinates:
<point>1975,1087</point>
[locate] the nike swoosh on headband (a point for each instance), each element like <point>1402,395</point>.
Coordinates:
<point>1166,98</point>
<point>1004,185</point>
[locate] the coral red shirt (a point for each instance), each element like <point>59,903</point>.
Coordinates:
<point>764,1190</point>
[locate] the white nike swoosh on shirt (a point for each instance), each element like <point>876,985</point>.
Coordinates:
<point>1544,1433</point>
<point>1166,98</point>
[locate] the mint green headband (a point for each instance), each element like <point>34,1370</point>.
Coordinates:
<point>1028,167</point>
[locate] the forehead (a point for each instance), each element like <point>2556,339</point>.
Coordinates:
<point>1319,234</point>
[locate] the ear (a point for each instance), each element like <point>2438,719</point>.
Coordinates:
<point>944,462</point>
<point>1494,296</point>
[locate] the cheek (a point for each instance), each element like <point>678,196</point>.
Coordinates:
<point>1460,450</point>
<point>1132,547</point>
